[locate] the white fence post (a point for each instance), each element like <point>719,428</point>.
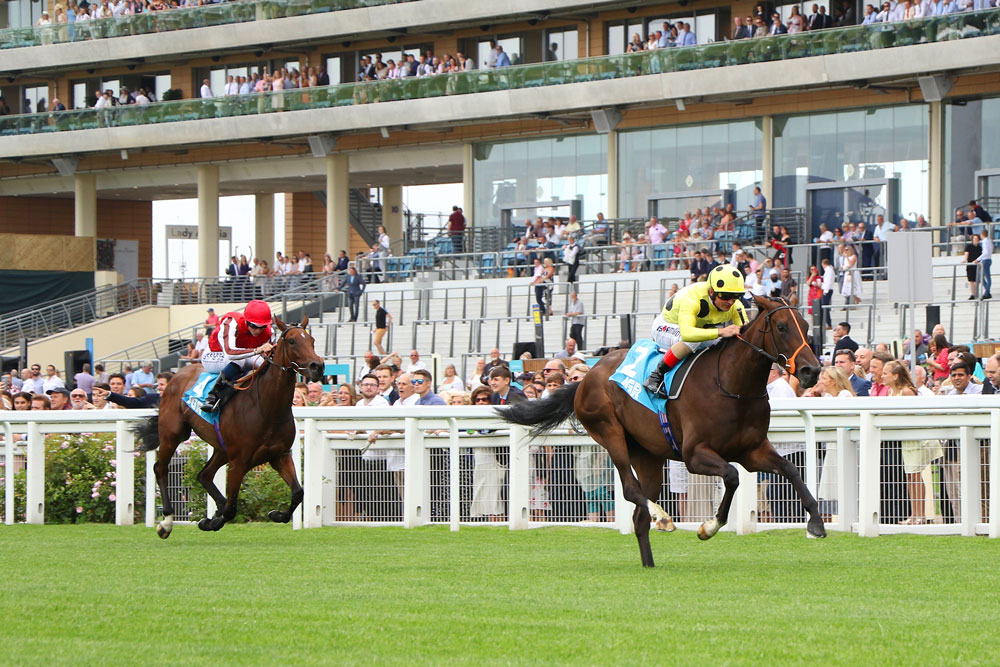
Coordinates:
<point>995,473</point>
<point>151,490</point>
<point>312,477</point>
<point>329,478</point>
<point>968,483</point>
<point>847,480</point>
<point>519,497</point>
<point>124,474</point>
<point>416,510</point>
<point>8,474</point>
<point>743,513</point>
<point>623,508</point>
<point>868,483</point>
<point>297,461</point>
<point>812,470</point>
<point>35,492</point>
<point>454,471</point>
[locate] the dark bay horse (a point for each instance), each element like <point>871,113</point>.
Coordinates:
<point>256,427</point>
<point>721,416</point>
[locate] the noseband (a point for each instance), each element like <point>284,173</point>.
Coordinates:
<point>788,363</point>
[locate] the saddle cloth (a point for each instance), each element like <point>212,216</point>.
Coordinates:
<point>194,397</point>
<point>640,361</point>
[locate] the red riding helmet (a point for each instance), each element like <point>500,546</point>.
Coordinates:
<point>258,313</point>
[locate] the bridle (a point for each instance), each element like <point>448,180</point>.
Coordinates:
<point>293,367</point>
<point>788,363</point>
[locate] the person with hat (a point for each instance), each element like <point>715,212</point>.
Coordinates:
<point>211,322</point>
<point>59,398</point>
<point>236,346</point>
<point>697,316</point>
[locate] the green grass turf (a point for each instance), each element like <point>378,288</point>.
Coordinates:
<point>261,594</point>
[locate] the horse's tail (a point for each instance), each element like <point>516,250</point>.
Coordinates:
<point>543,415</point>
<point>147,433</point>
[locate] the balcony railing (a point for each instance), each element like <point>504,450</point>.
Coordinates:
<point>719,54</point>
<point>176,19</point>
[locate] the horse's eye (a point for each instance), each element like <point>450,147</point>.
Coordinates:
<point>782,327</point>
<point>291,341</point>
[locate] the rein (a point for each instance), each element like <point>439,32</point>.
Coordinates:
<point>787,362</point>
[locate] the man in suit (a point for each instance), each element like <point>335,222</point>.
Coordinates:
<point>777,27</point>
<point>353,285</point>
<point>845,360</point>
<point>740,31</point>
<point>992,369</point>
<point>841,339</point>
<point>503,393</point>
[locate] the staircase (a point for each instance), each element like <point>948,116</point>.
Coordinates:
<point>365,216</point>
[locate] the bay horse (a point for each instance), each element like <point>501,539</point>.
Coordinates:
<point>721,416</point>
<point>255,427</point>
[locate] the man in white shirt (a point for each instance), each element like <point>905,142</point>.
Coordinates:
<point>961,382</point>
<point>140,97</point>
<point>52,379</point>
<point>232,88</point>
<point>986,259</point>
<point>206,90</point>
<point>201,345</point>
<point>245,87</point>
<point>415,363</point>
<point>370,396</point>
<point>570,352</point>
<point>34,383</point>
<point>883,228</point>
<point>829,284</point>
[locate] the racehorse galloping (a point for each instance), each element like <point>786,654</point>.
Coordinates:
<point>256,428</point>
<point>721,416</point>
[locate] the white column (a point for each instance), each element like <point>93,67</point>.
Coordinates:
<point>969,481</point>
<point>85,204</point>
<point>297,462</point>
<point>208,220</point>
<point>416,496</point>
<point>612,211</point>
<point>151,489</point>
<point>392,213</point>
<point>743,511</point>
<point>868,473</point>
<point>35,510</point>
<point>8,514</point>
<point>847,480</point>
<point>263,241</point>
<point>994,473</point>
<point>468,189</point>
<point>767,159</point>
<point>338,224</point>
<point>124,475</point>
<point>519,496</point>
<point>935,165</point>
<point>312,477</point>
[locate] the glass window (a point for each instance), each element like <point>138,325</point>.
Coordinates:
<point>161,85</point>
<point>692,158</point>
<point>972,133</point>
<point>561,44</point>
<point>704,28</point>
<point>333,69</point>
<point>35,99</point>
<point>568,168</point>
<point>616,39</point>
<point>80,97</point>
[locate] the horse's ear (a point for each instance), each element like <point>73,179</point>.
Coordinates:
<point>278,323</point>
<point>763,303</point>
<point>304,322</point>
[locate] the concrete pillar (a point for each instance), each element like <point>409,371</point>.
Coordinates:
<point>767,159</point>
<point>392,215</point>
<point>468,190</point>
<point>935,166</point>
<point>208,220</point>
<point>85,204</point>
<point>338,224</point>
<point>612,211</point>
<point>263,241</point>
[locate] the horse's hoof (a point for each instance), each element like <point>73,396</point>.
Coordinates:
<point>205,524</point>
<point>815,530</point>
<point>665,525</point>
<point>702,534</point>
<point>815,536</point>
<point>278,516</point>
<point>162,532</point>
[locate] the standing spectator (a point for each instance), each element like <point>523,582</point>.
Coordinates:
<point>503,60</point>
<point>59,398</point>
<point>571,256</point>
<point>34,383</point>
<point>84,380</point>
<point>382,321</point>
<point>52,381</point>
<point>456,229</point>
<point>211,322</point>
<point>353,285</point>
<point>144,377</point>
<point>973,251</point>
<point>985,259</point>
<point>851,287</point>
<point>543,284</point>
<point>789,287</point>
<point>845,360</point>
<point>383,372</point>
<point>206,90</point>
<point>78,400</point>
<point>415,363</point>
<point>494,362</point>
<point>829,283</point>
<point>759,207</point>
<point>880,235</point>
<point>937,356</point>
<point>578,321</point>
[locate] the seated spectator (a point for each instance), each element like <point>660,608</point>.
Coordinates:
<point>576,372</point>
<point>78,400</point>
<point>451,381</point>
<point>59,398</point>
<point>40,402</point>
<point>570,351</point>
<point>421,381</point>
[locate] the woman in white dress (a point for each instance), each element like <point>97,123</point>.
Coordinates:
<point>852,276</point>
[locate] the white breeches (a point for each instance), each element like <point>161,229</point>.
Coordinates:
<point>214,362</point>
<point>666,334</point>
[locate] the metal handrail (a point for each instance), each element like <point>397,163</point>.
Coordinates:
<point>585,291</point>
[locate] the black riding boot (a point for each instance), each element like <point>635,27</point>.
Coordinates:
<point>654,383</point>
<point>220,392</point>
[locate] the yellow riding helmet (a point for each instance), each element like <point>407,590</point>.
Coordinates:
<point>726,278</point>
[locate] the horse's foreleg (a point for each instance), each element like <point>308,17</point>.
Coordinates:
<point>234,478</point>
<point>766,459</point>
<point>706,461</point>
<point>286,468</point>
<point>207,478</point>
<point>164,527</point>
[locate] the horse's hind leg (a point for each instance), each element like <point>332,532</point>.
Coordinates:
<point>206,476</point>
<point>611,436</point>
<point>650,471</point>
<point>706,461</point>
<point>766,459</point>
<point>171,436</point>
<point>286,468</point>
